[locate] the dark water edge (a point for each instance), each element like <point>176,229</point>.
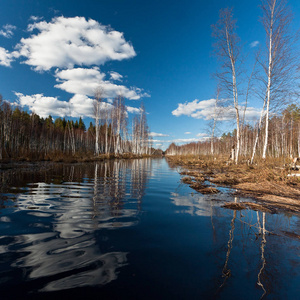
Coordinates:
<point>129,229</point>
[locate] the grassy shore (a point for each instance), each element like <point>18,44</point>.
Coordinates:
<point>273,183</point>
<point>86,157</point>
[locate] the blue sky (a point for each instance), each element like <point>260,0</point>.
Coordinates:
<point>53,53</point>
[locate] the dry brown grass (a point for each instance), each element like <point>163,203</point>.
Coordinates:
<point>187,180</point>
<point>266,180</point>
<point>69,158</point>
<point>203,189</point>
<point>234,206</point>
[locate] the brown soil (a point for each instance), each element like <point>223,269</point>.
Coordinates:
<point>234,206</point>
<point>266,181</point>
<point>203,189</point>
<point>244,205</point>
<point>276,194</point>
<point>78,158</point>
<point>187,180</point>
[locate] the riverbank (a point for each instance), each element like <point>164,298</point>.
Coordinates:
<point>78,158</point>
<point>272,183</point>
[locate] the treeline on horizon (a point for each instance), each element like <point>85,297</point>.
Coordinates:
<point>284,139</point>
<point>271,77</point>
<point>31,137</point>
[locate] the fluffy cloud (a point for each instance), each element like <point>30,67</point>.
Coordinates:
<point>43,106</point>
<point>77,106</point>
<point>66,42</point>
<point>179,141</point>
<point>205,110</point>
<point>7,30</point>
<point>188,108</point>
<point>202,135</point>
<point>254,44</point>
<point>86,81</point>
<point>5,57</point>
<point>154,134</point>
<point>35,18</point>
<point>133,110</point>
<point>187,132</point>
<point>115,76</point>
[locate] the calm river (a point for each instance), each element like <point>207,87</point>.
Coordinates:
<point>130,229</point>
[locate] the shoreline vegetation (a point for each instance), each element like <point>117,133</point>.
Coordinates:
<point>80,158</point>
<point>29,137</point>
<point>272,183</point>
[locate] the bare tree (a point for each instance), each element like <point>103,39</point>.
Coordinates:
<point>141,141</point>
<point>279,61</point>
<point>119,117</point>
<point>107,118</point>
<point>216,115</point>
<point>98,98</point>
<point>1,127</point>
<point>228,52</point>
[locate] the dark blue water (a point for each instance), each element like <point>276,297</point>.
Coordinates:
<point>130,229</point>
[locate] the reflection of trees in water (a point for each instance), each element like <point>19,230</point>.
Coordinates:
<point>109,193</point>
<point>117,184</point>
<point>139,177</point>
<point>247,229</point>
<point>116,187</point>
<point>262,232</point>
<point>70,203</point>
<point>226,272</point>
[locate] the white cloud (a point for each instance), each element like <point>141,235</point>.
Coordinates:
<point>35,18</point>
<point>154,134</point>
<point>254,44</point>
<point>86,81</point>
<point>202,134</point>
<point>7,30</point>
<point>5,57</point>
<point>188,108</point>
<point>78,106</point>
<point>252,113</point>
<point>205,110</point>
<point>133,110</point>
<point>79,81</point>
<point>187,132</point>
<point>156,141</point>
<point>43,106</point>
<point>66,42</point>
<point>115,76</point>
<point>184,140</point>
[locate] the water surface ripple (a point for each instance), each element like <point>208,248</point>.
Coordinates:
<point>129,229</point>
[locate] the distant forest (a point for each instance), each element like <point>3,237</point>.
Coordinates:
<point>28,136</point>
<point>284,139</point>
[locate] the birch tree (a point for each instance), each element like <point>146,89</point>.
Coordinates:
<point>98,98</point>
<point>215,119</point>
<point>119,117</point>
<point>228,52</point>
<point>279,61</point>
